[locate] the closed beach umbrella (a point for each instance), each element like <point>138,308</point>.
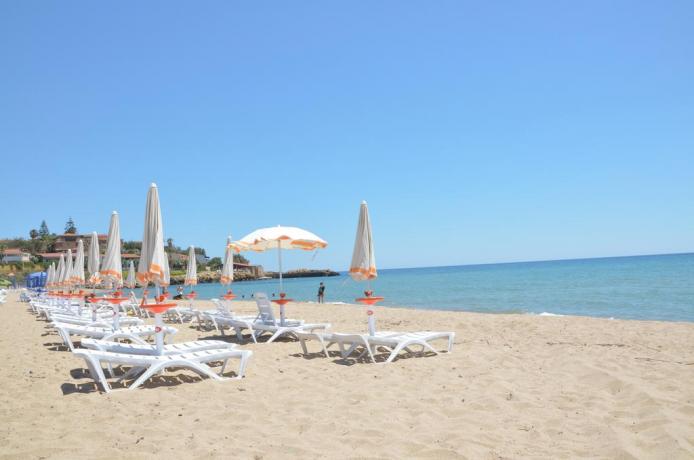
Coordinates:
<point>112,268</point>
<point>67,275</point>
<point>165,280</point>
<point>51,275</point>
<point>93,260</point>
<point>151,265</point>
<point>281,238</point>
<point>130,281</point>
<point>363,266</point>
<point>78,269</point>
<point>192,269</point>
<point>58,280</point>
<point>228,267</point>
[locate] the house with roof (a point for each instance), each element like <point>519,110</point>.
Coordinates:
<point>15,256</point>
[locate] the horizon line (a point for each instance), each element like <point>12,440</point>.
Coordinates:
<point>540,261</point>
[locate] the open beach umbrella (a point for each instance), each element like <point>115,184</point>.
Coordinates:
<point>363,265</point>
<point>130,281</point>
<point>281,238</point>
<point>93,260</point>
<point>191,278</point>
<point>67,276</point>
<point>151,265</point>
<point>58,280</point>
<point>78,268</point>
<point>111,268</point>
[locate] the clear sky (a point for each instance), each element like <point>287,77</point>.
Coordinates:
<point>477,131</point>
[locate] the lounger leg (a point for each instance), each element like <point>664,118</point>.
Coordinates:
<point>97,373</point>
<point>245,356</point>
<point>281,331</point>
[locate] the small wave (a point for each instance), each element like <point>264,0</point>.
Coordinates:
<point>546,313</point>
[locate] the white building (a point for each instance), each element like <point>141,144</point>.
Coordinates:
<point>15,255</point>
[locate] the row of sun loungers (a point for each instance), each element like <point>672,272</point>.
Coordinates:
<point>103,332</point>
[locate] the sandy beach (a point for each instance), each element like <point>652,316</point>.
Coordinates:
<point>515,386</point>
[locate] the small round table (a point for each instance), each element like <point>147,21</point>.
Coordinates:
<point>282,301</point>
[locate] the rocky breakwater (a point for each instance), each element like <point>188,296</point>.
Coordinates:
<point>212,277</point>
<point>303,273</point>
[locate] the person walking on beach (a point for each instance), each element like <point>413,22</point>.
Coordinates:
<point>321,293</point>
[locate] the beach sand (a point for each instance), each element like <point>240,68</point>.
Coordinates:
<point>515,386</point>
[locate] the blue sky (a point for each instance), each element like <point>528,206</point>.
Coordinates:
<point>477,132</point>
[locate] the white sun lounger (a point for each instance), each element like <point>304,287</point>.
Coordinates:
<point>133,333</point>
<point>105,321</point>
<point>393,342</point>
<point>148,349</point>
<point>146,366</point>
<point>266,322</point>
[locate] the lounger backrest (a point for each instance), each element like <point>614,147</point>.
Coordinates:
<point>265,312</point>
<point>221,307</point>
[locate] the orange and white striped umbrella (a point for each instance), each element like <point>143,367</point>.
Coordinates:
<point>192,269</point>
<point>363,266</point>
<point>111,268</point>
<point>58,280</point>
<point>130,281</point>
<point>281,238</point>
<point>93,260</point>
<point>165,279</point>
<point>67,276</point>
<point>78,268</point>
<point>50,277</point>
<point>228,267</point>
<point>151,265</point>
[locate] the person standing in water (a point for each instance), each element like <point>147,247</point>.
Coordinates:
<point>321,293</point>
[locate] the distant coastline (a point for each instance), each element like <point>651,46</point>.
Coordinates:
<point>214,276</point>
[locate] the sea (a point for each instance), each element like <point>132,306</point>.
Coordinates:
<point>658,287</point>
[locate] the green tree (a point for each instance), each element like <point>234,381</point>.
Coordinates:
<point>239,259</point>
<point>33,234</point>
<point>215,263</point>
<point>70,226</point>
<point>43,229</point>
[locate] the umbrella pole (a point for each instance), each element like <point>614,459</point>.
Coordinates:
<point>279,255</point>
<point>159,324</point>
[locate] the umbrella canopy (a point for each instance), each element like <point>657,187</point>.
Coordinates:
<point>192,269</point>
<point>93,260</point>
<point>281,238</point>
<point>58,279</point>
<point>228,267</point>
<point>363,266</point>
<point>78,269</point>
<point>165,280</point>
<point>130,282</point>
<point>111,267</point>
<point>67,275</point>
<point>50,275</point>
<point>151,265</point>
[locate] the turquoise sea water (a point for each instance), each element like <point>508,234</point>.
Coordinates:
<point>644,287</point>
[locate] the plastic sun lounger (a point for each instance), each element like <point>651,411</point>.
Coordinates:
<point>133,333</point>
<point>148,349</point>
<point>223,316</point>
<point>393,342</point>
<point>266,322</point>
<point>103,321</point>
<point>146,366</point>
